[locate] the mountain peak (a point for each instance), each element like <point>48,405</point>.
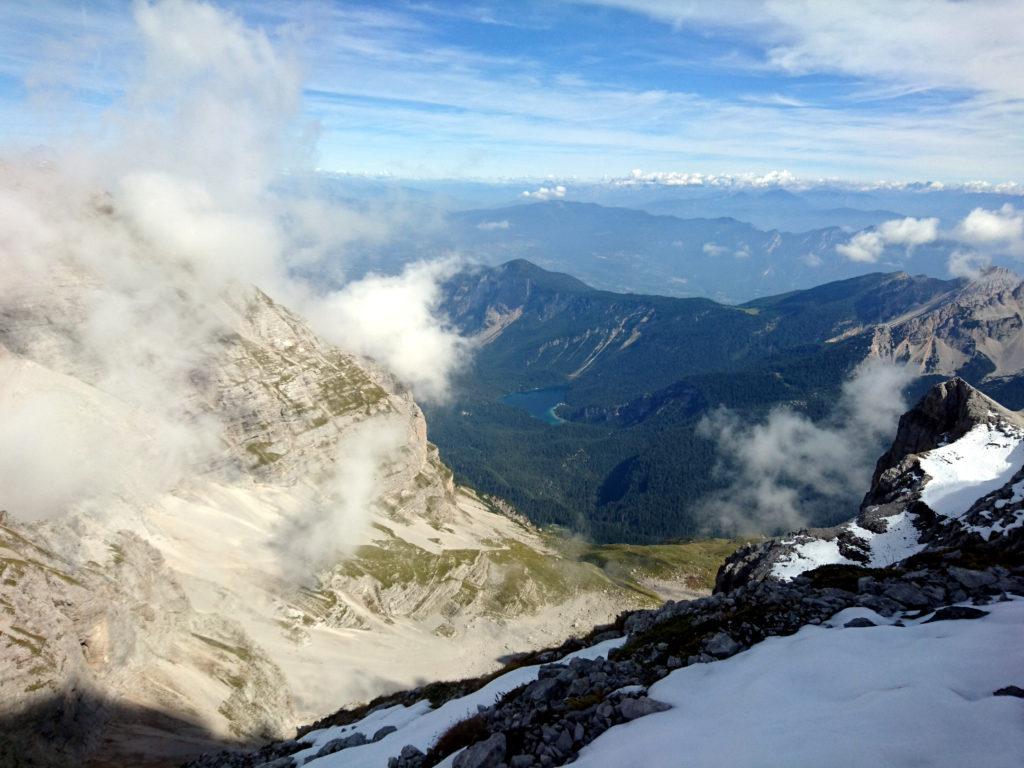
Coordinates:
<point>947,412</point>
<point>994,280</point>
<point>538,275</point>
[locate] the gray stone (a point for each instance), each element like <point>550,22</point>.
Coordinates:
<point>860,621</point>
<point>631,709</point>
<point>381,733</point>
<point>907,594</point>
<point>721,645</point>
<point>484,754</point>
<point>336,745</point>
<point>542,689</point>
<point>1010,690</point>
<point>954,612</point>
<point>865,584</point>
<point>521,761</point>
<point>564,742</point>
<point>972,579</point>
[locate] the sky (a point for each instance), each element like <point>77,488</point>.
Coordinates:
<point>918,90</point>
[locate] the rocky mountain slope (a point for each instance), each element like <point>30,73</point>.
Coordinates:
<point>976,332</point>
<point>307,544</point>
<point>954,474</point>
<point>775,668</point>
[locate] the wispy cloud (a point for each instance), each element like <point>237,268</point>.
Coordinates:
<point>425,89</point>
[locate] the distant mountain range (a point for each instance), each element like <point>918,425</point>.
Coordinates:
<point>633,251</point>
<point>631,376</point>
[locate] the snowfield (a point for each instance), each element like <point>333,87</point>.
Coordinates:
<point>919,695</point>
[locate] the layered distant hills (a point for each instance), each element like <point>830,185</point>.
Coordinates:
<point>731,245</point>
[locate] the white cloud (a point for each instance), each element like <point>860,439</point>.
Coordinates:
<point>969,264</point>
<point>1000,229</point>
<point>489,226</point>
<point>546,193</point>
<point>869,245</point>
<point>774,464</point>
<point>784,179</point>
<point>394,320</point>
<point>122,245</point>
<point>638,177</point>
<point>713,249</point>
<point>909,231</point>
<point>331,522</point>
<point>397,72</point>
<point>897,42</point>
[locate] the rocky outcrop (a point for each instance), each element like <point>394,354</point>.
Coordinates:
<point>953,425</point>
<point>976,329</point>
<point>945,414</point>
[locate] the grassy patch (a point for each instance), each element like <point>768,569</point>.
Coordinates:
<point>461,734</point>
<point>263,456</point>
<point>241,652</point>
<point>694,562</point>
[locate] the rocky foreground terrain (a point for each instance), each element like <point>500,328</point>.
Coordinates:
<point>943,588</point>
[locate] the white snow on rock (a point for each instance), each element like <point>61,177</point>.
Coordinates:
<point>978,463</point>
<point>898,542</point>
<point>808,556</point>
<point>420,725</point>
<point>879,696</point>
<point>999,521</point>
<point>958,474</point>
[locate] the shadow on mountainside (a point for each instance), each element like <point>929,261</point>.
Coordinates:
<point>84,729</point>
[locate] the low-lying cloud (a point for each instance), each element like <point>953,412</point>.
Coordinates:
<point>336,513</point>
<point>1002,228</point>
<point>978,236</point>
<point>775,466</point>
<point>909,232</point>
<point>116,250</point>
<point>546,193</point>
<point>395,320</point>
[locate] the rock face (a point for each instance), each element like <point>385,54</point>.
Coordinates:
<point>954,473</point>
<point>305,543</point>
<point>946,413</point>
<point>979,326</point>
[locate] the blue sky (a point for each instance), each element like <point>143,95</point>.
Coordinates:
<point>915,90</point>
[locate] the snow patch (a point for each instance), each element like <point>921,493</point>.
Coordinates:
<point>898,542</point>
<point>982,461</point>
<point>807,556</point>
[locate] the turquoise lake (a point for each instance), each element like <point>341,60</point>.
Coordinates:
<point>539,403</point>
